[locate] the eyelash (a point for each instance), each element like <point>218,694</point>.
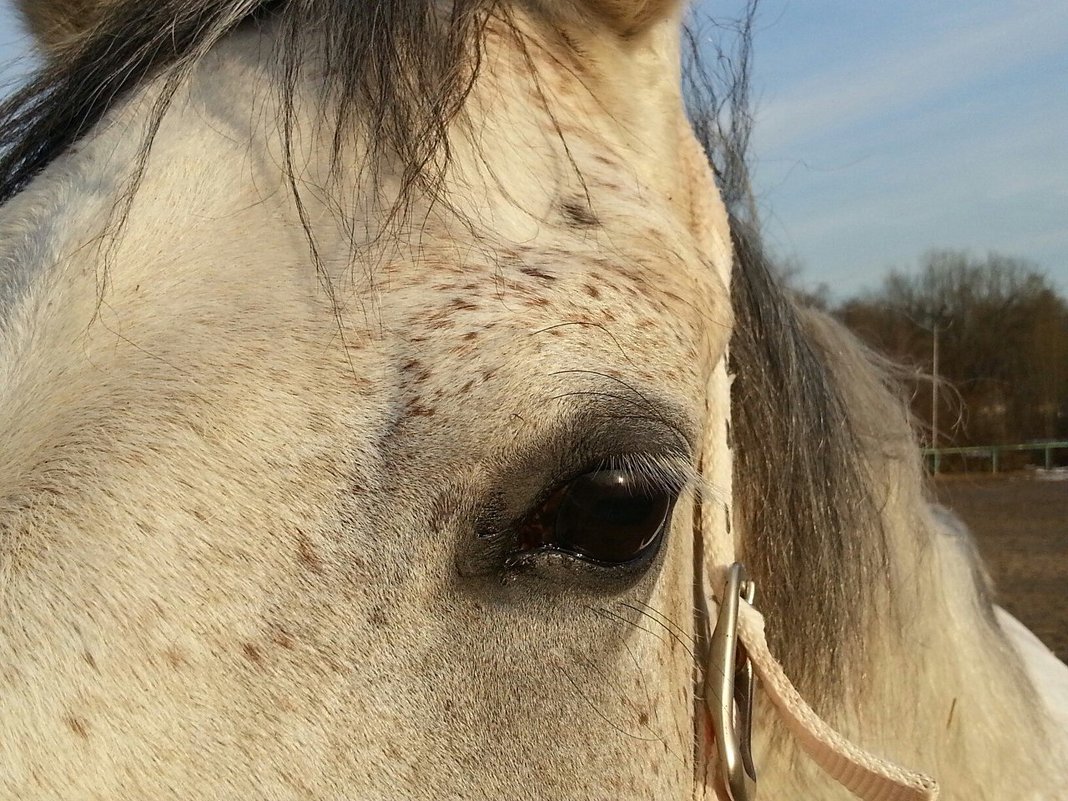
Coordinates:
<point>665,473</point>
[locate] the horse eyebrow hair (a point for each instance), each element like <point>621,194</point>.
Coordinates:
<point>612,403</point>
<point>601,429</point>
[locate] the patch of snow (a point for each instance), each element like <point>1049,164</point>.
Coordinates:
<point>1056,474</point>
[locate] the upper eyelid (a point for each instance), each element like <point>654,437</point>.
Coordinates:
<point>598,429</point>
<point>613,397</point>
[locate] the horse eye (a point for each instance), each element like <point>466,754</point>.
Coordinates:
<point>608,516</point>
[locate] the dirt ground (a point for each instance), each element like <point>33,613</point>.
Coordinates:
<point>1021,524</point>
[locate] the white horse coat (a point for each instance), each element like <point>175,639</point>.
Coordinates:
<point>288,418</point>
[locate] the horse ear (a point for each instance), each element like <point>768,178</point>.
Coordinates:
<point>631,16</point>
<point>55,23</point>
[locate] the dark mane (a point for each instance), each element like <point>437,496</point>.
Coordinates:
<point>812,535</point>
<point>396,73</point>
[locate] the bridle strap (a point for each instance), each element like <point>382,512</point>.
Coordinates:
<point>865,775</point>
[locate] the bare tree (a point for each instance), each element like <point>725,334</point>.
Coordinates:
<point>1001,332</point>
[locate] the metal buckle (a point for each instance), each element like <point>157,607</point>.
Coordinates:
<point>730,686</point>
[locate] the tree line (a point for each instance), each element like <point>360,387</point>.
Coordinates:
<point>995,328</point>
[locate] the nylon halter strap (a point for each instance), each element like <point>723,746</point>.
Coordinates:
<point>741,627</point>
<point>865,775</point>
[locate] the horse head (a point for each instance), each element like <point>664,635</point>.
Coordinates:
<point>367,422</point>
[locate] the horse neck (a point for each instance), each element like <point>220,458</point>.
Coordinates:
<point>934,685</point>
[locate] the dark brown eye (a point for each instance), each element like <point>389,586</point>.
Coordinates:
<point>608,516</point>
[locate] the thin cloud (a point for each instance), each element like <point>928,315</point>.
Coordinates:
<point>869,90</point>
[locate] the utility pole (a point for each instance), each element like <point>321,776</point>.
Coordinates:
<point>934,399</point>
<point>934,325</point>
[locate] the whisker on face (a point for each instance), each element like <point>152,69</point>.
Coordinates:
<point>609,614</point>
<point>586,324</point>
<point>677,634</point>
<point>594,669</point>
<point>615,726</point>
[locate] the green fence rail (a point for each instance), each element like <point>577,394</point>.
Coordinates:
<point>993,453</point>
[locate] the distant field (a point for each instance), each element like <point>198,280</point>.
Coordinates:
<point>1021,524</point>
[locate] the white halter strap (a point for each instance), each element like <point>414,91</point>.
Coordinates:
<point>865,775</point>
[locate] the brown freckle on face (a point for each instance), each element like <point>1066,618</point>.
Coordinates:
<point>420,411</point>
<point>334,664</point>
<point>534,272</point>
<point>90,660</point>
<point>578,214</point>
<point>467,386</point>
<point>307,553</point>
<point>470,335</point>
<point>252,653</point>
<point>378,616</point>
<point>174,657</point>
<point>77,725</point>
<point>462,304</point>
<point>592,291</point>
<point>282,638</point>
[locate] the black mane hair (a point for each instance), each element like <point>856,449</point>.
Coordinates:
<point>395,73</point>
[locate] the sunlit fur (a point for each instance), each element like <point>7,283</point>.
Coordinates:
<point>265,375</point>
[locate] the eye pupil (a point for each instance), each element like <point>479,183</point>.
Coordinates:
<point>610,516</point>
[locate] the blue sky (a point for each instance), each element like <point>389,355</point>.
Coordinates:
<point>887,129</point>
